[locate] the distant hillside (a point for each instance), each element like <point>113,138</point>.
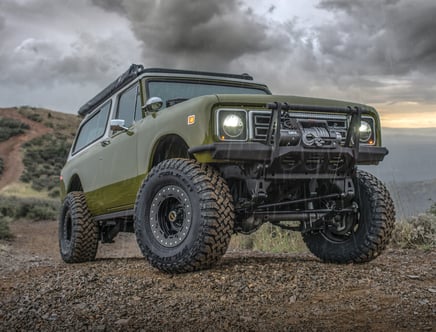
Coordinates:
<point>409,169</point>
<point>34,154</point>
<point>412,198</point>
<point>412,155</point>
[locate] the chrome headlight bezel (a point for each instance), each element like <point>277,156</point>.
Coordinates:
<point>236,128</point>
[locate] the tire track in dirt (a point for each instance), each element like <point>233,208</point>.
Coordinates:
<point>10,150</point>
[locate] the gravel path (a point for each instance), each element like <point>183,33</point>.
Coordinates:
<point>246,291</point>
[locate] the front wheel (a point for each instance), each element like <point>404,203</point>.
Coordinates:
<point>183,216</point>
<point>364,235</point>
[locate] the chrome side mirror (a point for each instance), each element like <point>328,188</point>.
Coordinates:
<point>153,104</point>
<point>118,125</point>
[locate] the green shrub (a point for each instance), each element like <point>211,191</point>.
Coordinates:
<point>11,127</point>
<point>5,232</point>
<point>43,160</point>
<point>55,193</point>
<point>30,112</point>
<point>2,166</point>
<point>29,208</point>
<point>35,117</point>
<point>37,212</point>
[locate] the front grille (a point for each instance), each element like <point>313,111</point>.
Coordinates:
<point>336,163</point>
<point>260,122</point>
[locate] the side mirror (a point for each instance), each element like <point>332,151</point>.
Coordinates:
<point>118,125</point>
<point>153,104</point>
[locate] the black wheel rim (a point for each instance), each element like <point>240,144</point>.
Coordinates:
<point>170,216</point>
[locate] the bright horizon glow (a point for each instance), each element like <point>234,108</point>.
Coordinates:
<point>407,115</point>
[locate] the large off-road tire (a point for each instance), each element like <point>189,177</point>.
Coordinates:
<point>78,233</point>
<point>370,231</point>
<point>184,216</point>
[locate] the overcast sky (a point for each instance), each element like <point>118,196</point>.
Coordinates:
<point>59,54</point>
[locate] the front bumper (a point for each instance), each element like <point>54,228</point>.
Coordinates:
<point>254,151</point>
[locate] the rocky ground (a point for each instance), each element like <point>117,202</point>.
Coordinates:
<point>246,291</point>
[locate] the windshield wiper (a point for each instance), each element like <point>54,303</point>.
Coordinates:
<point>172,102</point>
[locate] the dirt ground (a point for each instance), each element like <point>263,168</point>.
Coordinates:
<point>246,291</point>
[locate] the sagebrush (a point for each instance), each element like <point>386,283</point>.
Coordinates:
<point>43,160</point>
<point>29,208</point>
<point>5,232</point>
<point>11,127</point>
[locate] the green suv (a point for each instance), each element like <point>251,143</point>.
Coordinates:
<point>185,159</point>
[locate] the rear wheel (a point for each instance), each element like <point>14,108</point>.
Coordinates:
<point>362,236</point>
<point>78,233</point>
<point>183,216</point>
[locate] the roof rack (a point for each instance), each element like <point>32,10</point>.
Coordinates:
<point>135,70</point>
<point>127,77</point>
<point>244,76</point>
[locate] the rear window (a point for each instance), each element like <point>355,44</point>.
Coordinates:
<point>93,129</point>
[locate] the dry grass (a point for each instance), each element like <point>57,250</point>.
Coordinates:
<point>270,238</point>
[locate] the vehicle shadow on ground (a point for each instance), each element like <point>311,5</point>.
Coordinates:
<point>237,259</point>
<point>229,261</point>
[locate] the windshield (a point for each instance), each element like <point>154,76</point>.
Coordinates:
<point>173,92</point>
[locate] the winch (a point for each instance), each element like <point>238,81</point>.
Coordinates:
<point>316,133</point>
<point>312,133</point>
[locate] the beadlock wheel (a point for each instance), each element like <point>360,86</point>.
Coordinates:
<point>184,216</point>
<point>170,216</point>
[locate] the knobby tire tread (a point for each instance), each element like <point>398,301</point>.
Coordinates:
<point>216,214</point>
<point>85,230</point>
<point>379,228</point>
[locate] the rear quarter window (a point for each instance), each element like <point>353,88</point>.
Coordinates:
<point>93,129</point>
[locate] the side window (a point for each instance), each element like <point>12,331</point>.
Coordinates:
<point>93,129</point>
<point>129,106</point>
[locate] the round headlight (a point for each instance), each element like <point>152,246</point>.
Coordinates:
<point>365,131</point>
<point>233,126</point>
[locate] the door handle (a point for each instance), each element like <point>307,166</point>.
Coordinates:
<point>105,142</point>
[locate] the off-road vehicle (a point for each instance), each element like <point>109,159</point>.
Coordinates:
<point>185,159</point>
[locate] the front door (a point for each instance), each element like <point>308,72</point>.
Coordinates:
<point>118,167</point>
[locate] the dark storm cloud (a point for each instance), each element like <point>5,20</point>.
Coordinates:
<point>384,37</point>
<point>378,50</point>
<point>110,5</point>
<point>2,22</point>
<point>199,33</point>
<point>32,53</point>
